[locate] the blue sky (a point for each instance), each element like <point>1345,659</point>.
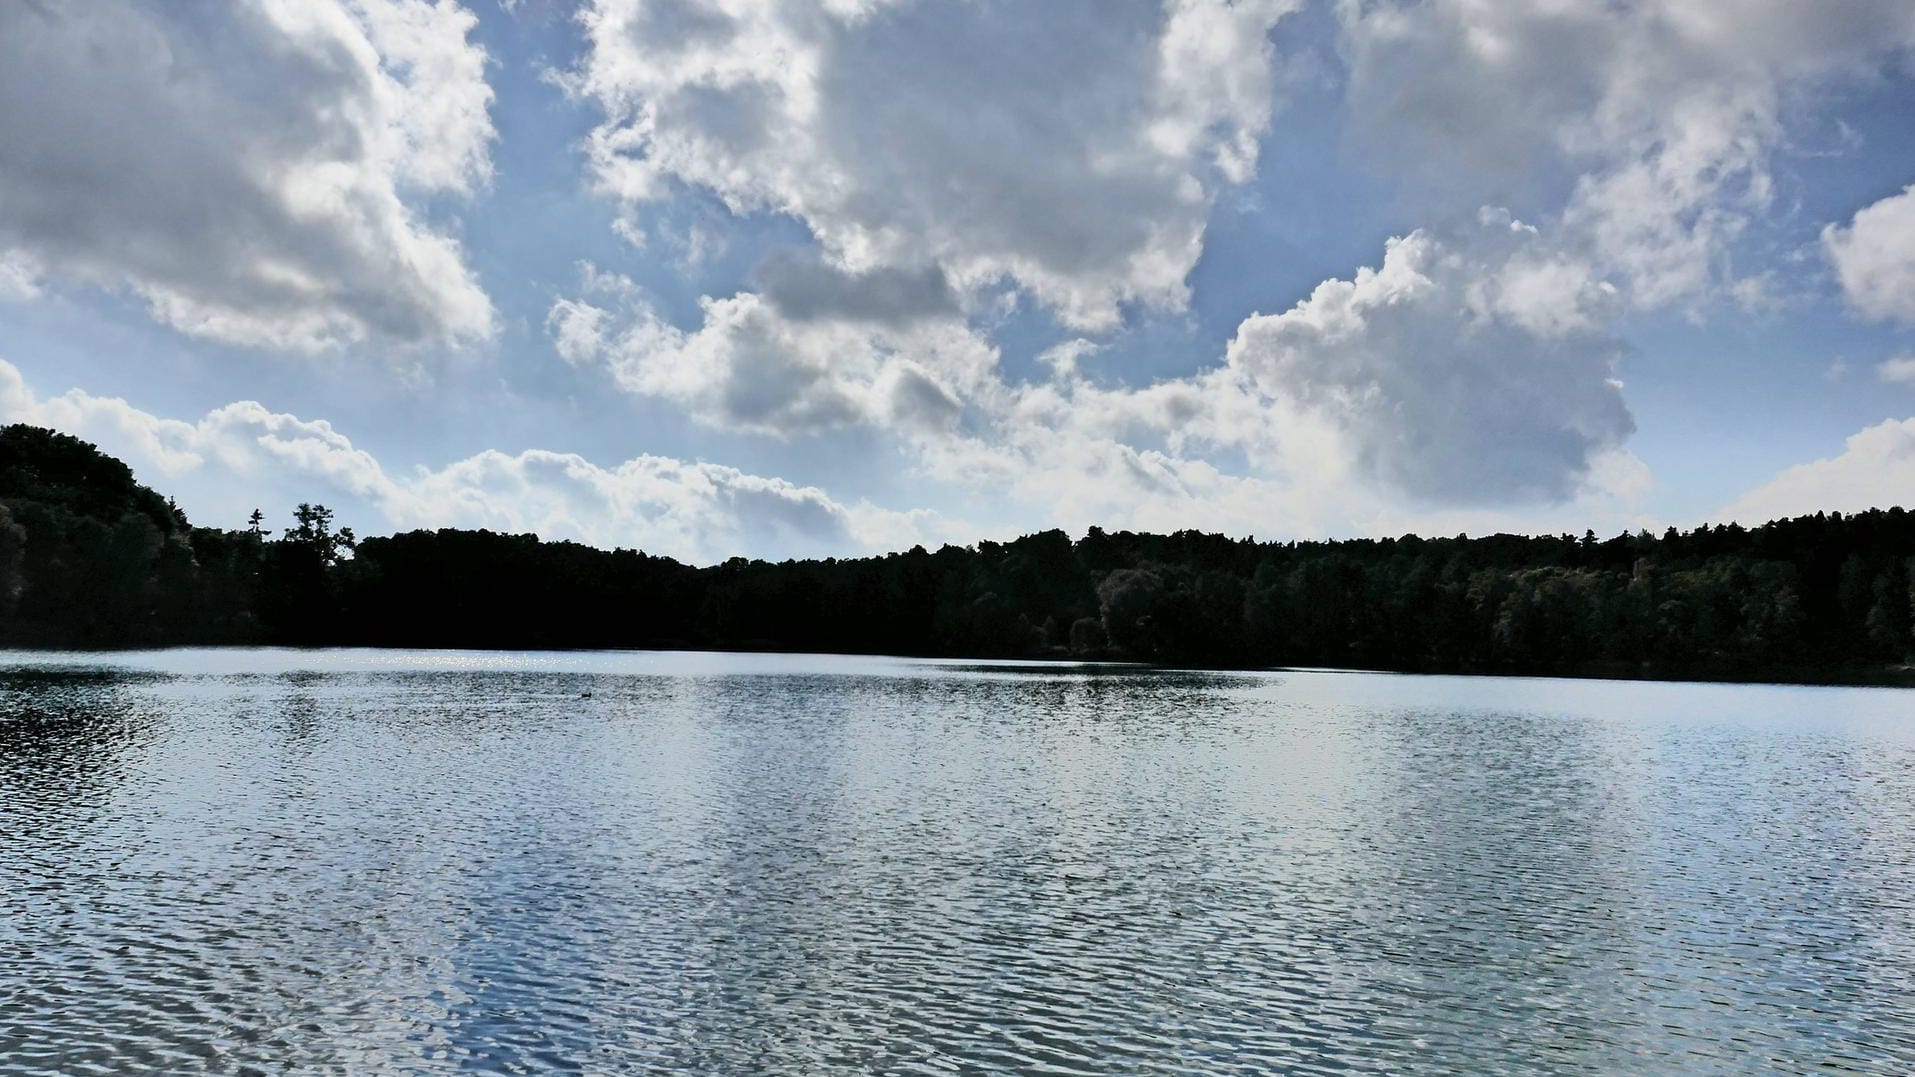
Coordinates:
<point>716,277</point>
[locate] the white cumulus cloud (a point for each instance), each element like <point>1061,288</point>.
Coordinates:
<point>244,455</point>
<point>779,364</point>
<point>1469,368</point>
<point>1874,257</point>
<point>1072,147</point>
<point>1876,469</point>
<point>1900,370</point>
<point>251,170</point>
<point>1474,367</point>
<point>1666,113</point>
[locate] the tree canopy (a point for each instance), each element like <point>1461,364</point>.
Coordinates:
<point>90,558</point>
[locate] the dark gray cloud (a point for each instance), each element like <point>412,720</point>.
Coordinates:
<point>680,23</point>
<point>804,288</point>
<point>917,400</point>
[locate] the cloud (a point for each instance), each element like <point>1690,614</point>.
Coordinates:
<point>1072,452</point>
<point>253,171</point>
<point>1474,368</point>
<point>1899,370</point>
<point>695,511</point>
<point>806,289</point>
<point>1665,113</point>
<point>1073,147</point>
<point>1212,453</point>
<point>1470,368</point>
<point>243,455</point>
<point>755,365</point>
<point>578,330</point>
<point>19,276</point>
<point>1874,257</point>
<point>1876,469</point>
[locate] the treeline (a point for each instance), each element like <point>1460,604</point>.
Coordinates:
<point>89,558</point>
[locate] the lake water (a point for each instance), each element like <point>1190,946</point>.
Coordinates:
<point>417,862</point>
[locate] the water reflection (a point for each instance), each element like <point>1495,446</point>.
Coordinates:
<point>293,861</point>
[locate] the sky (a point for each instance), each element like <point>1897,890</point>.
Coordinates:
<point>795,278</point>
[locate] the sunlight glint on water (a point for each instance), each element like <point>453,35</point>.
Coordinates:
<point>230,861</point>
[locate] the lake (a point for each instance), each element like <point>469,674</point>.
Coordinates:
<point>233,861</point>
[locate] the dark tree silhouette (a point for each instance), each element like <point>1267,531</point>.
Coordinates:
<point>89,557</point>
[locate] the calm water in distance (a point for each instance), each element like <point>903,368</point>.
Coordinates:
<point>436,862</point>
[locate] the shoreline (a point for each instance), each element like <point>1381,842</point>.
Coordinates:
<point>1894,676</point>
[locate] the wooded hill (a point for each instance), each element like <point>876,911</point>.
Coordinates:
<point>90,558</point>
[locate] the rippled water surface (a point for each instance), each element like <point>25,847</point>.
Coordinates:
<point>369,862</point>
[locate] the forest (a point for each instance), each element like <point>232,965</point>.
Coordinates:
<point>90,558</point>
